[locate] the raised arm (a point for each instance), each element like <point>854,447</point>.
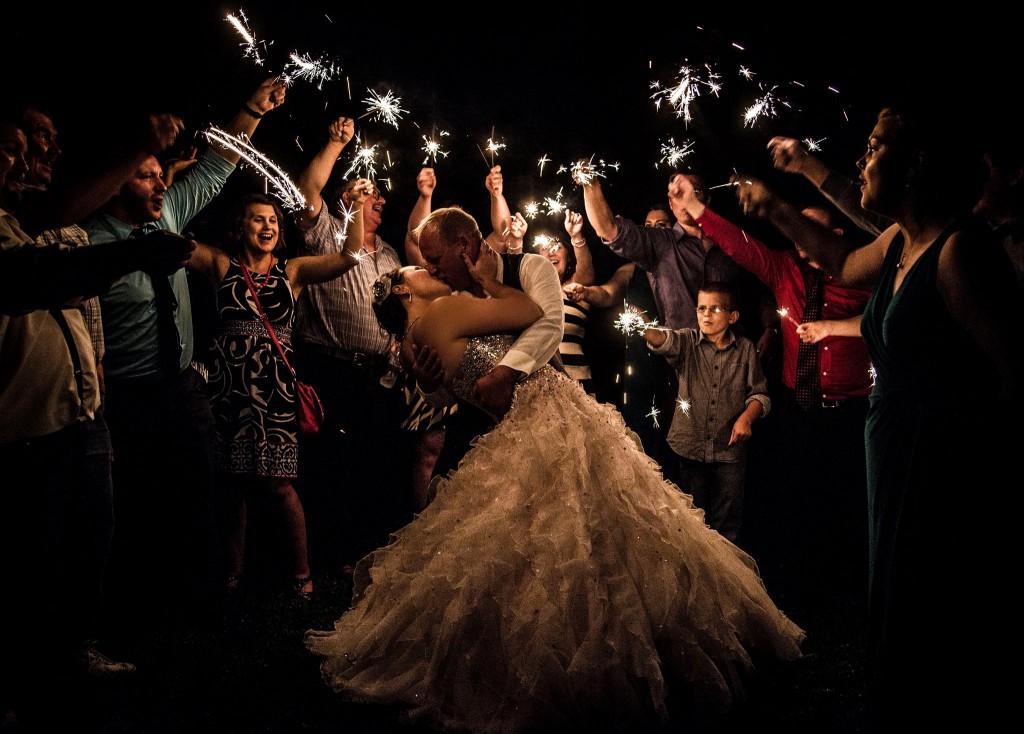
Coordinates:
<point>792,156</point>
<point>314,177</point>
<point>71,201</point>
<point>584,274</point>
<point>305,270</point>
<point>607,294</point>
<point>599,214</point>
<point>426,180</point>
<point>859,266</point>
<point>501,215</point>
<point>268,96</point>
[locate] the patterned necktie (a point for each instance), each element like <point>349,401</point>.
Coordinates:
<point>808,382</point>
<point>168,339</point>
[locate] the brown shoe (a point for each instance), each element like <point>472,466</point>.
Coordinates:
<point>98,665</point>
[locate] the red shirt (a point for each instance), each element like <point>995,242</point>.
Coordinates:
<point>843,360</point>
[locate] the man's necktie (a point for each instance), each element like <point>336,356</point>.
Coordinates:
<point>168,339</point>
<point>808,381</point>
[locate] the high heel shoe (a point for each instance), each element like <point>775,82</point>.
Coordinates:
<point>302,586</point>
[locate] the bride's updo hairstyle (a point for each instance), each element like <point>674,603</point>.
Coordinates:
<point>387,307</point>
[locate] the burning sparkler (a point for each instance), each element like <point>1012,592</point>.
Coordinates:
<point>383,108</point>
<point>288,192</point>
<point>249,41</point>
<point>784,313</point>
<point>432,147</point>
<point>306,68</point>
<point>632,321</point>
<point>365,159</point>
<point>672,155</point>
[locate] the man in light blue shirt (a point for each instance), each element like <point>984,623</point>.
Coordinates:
<point>165,545</point>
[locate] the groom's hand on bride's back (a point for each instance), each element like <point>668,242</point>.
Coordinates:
<point>493,391</point>
<point>427,368</point>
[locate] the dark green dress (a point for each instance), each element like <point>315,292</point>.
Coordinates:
<point>932,466</point>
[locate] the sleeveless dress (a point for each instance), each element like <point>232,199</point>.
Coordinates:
<point>933,466</point>
<point>252,390</point>
<point>556,582</point>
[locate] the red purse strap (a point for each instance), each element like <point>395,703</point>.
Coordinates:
<point>266,322</point>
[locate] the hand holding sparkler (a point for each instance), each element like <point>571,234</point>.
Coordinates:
<point>755,198</point>
<point>682,194</point>
<point>791,156</point>
<point>268,96</point>
<point>426,181</point>
<point>342,130</point>
<point>494,183</point>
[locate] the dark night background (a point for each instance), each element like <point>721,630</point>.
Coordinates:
<point>569,81</point>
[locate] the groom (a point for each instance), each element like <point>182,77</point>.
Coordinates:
<point>444,236</point>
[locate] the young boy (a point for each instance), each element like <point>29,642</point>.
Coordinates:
<point>722,391</point>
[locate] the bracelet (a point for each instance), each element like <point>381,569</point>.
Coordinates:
<point>583,243</point>
<point>251,112</point>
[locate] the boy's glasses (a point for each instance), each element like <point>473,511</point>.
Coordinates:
<point>715,310</point>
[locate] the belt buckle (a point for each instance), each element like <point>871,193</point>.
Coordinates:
<point>359,359</point>
<point>829,404</point>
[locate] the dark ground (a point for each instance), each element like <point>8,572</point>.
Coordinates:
<point>256,677</point>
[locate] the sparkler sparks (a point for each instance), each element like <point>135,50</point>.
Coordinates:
<point>814,145</point>
<point>249,41</point>
<point>493,147</point>
<point>632,321</point>
<point>541,161</point>
<point>383,108</point>
<point>365,160</point>
<point>288,192</point>
<point>672,155</point>
<point>432,147</point>
<point>686,89</point>
<point>764,106</point>
<point>545,242</point>
<point>531,209</point>
<point>684,406</point>
<point>583,172</point>
<point>653,415</point>
<point>784,313</point>
<point>306,68</point>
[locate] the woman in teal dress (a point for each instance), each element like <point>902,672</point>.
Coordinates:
<point>943,331</point>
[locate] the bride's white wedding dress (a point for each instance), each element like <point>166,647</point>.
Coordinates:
<point>556,582</point>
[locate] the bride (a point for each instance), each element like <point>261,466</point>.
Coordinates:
<point>557,582</point>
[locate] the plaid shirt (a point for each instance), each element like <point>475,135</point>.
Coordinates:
<point>339,313</point>
<point>74,236</point>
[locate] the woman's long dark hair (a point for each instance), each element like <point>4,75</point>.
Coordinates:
<point>387,306</point>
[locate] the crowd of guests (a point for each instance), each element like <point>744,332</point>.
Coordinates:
<point>141,445</point>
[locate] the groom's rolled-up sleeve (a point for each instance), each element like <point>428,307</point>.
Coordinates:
<point>539,343</point>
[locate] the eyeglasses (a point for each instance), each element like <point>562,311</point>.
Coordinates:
<point>659,224</point>
<point>714,310</point>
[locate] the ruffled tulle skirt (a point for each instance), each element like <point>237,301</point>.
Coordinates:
<point>556,582</point>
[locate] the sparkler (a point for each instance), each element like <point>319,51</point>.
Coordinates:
<point>531,209</point>
<point>653,415</point>
<point>684,406</point>
<point>554,205</point>
<point>432,147</point>
<point>686,89</point>
<point>584,172</point>
<point>632,321</point>
<point>545,242</point>
<point>672,154</point>
<point>241,25</point>
<point>291,197</point>
<point>784,313</point>
<point>541,161</point>
<point>764,106</point>
<point>814,145</point>
<point>383,108</point>
<point>306,68</point>
<point>493,147</point>
<point>365,159</point>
